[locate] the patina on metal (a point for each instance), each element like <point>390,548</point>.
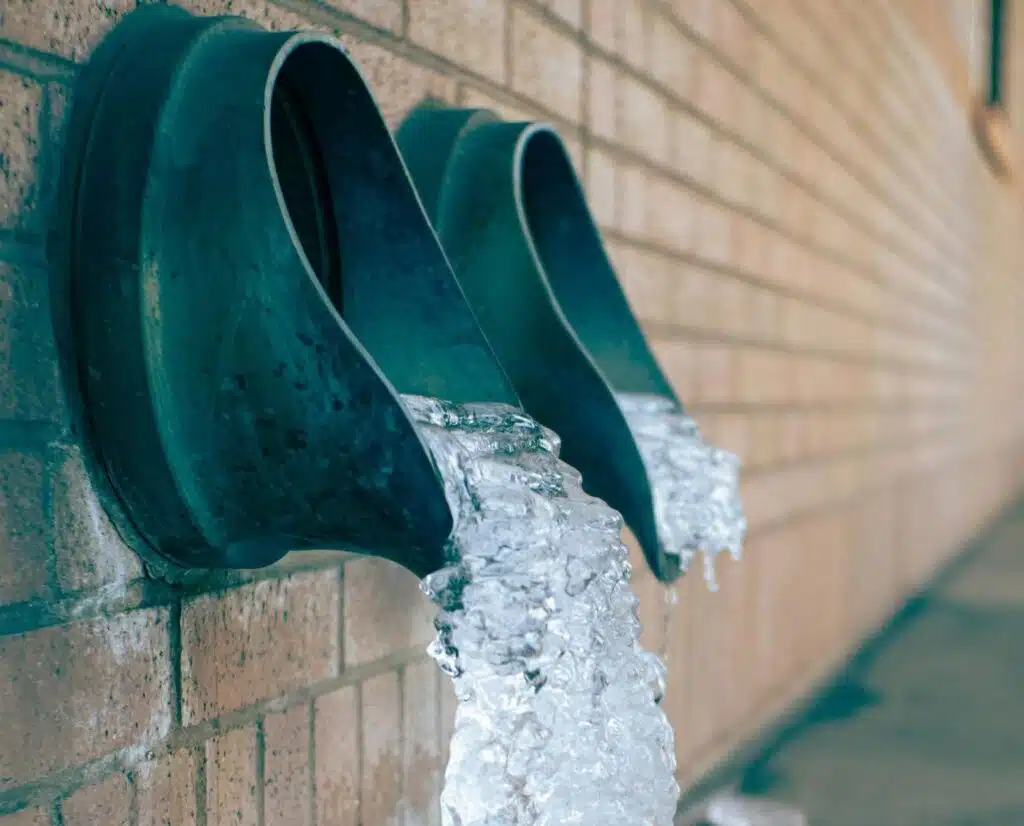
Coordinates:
<point>250,283</point>
<point>511,213</point>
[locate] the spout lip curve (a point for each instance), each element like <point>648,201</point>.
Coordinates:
<point>481,212</point>
<point>134,262</point>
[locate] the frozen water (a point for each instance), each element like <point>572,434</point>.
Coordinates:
<point>558,721</point>
<point>695,484</point>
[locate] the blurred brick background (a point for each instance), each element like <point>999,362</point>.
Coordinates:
<point>830,273</point>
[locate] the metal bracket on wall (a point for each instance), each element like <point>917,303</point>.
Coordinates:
<point>514,221</point>
<point>249,282</point>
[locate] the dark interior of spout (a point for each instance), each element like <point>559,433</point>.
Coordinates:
<point>298,157</point>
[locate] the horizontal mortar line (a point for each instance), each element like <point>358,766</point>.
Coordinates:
<point>430,60</point>
<point>44,67</point>
<point>199,732</point>
<point>693,259</point>
<point>840,47</point>
<point>785,408</point>
<point>420,55</point>
<point>903,206</point>
<point>114,599</point>
<point>830,95</point>
<point>669,173</point>
<point>671,331</point>
<point>55,786</point>
<point>60,784</point>
<point>760,155</point>
<point>782,109</point>
<point>869,451</point>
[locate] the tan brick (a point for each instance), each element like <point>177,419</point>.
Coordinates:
<point>286,768</point>
<point>602,187</point>
<point>421,757</point>
<point>26,817</point>
<point>165,790</point>
<point>546,65</point>
<point>692,147</point>
<point>381,792</point>
<point>69,29</point>
<point>714,370</point>
<point>76,692</point>
<point>467,32</point>
<point>571,11</point>
<point>29,383</point>
<point>384,14</point>
<point>396,83</point>
<point>231,779</point>
<point>108,803</point>
<point>20,107</point>
<point>671,214</point>
<point>672,57</point>
<point>646,284</point>
<point>677,359</point>
<point>269,16</point>
<point>385,612</point>
<point>601,96</point>
<point>23,563</point>
<point>336,747</point>
<point>88,551</point>
<point>603,26</point>
<point>632,30</point>
<point>633,200</point>
<point>258,641</point>
<point>645,120</point>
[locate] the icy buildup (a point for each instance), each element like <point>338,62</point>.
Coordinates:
<point>557,721</point>
<point>695,484</point>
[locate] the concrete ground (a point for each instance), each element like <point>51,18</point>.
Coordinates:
<point>926,728</point>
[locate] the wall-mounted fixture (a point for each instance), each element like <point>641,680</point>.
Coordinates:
<point>250,282</point>
<point>513,219</point>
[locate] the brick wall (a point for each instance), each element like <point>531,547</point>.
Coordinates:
<point>827,269</point>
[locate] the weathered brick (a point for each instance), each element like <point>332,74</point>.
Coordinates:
<point>632,31</point>
<point>26,817</point>
<point>258,641</point>
<point>267,15</point>
<point>76,692</point>
<point>385,612</point>
<point>692,147</point>
<point>336,733</point>
<point>421,755</point>
<point>29,382</point>
<point>23,563</point>
<point>231,779</point>
<point>633,204</point>
<point>546,65</point>
<point>381,783</point>
<point>467,32</point>
<point>165,790</point>
<point>20,106</point>
<point>286,768</point>
<point>384,14</point>
<point>70,29</point>
<point>396,83</point>
<point>108,802</point>
<point>88,551</point>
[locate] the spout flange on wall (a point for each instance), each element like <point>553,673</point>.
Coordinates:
<point>251,282</point>
<point>513,218</point>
